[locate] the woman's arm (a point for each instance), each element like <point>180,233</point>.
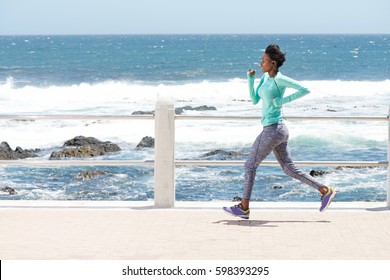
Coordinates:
<point>286,82</point>
<point>252,92</point>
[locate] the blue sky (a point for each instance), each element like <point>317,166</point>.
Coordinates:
<point>196,16</point>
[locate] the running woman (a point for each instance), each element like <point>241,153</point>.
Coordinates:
<point>274,137</point>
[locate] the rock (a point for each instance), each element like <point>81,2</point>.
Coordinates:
<point>86,151</point>
<point>180,110</point>
<point>315,173</point>
<point>90,174</point>
<point>353,167</point>
<point>143,113</point>
<point>237,199</point>
<point>222,154</point>
<point>6,153</point>
<point>85,147</point>
<point>83,141</point>
<point>146,142</point>
<point>277,187</point>
<point>9,190</point>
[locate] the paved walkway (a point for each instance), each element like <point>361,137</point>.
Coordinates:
<point>122,230</point>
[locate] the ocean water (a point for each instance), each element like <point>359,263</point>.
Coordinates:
<point>348,75</point>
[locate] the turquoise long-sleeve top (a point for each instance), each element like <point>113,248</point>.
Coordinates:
<point>271,92</point>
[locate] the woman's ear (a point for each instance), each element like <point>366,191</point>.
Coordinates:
<point>274,65</point>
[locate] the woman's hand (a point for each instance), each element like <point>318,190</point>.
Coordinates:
<point>251,72</point>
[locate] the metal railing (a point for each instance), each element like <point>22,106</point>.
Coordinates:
<point>164,162</point>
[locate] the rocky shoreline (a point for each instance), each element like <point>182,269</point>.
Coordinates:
<point>87,147</point>
<point>6,153</point>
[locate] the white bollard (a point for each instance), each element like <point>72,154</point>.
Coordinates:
<point>164,162</point>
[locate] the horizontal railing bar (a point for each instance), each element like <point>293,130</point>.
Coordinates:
<point>181,163</point>
<point>275,163</point>
<point>184,117</point>
<point>243,118</point>
<point>76,117</point>
<point>76,162</point>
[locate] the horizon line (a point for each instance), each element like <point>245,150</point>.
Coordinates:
<point>189,34</point>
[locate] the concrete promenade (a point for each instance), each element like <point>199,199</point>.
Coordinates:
<point>52,230</point>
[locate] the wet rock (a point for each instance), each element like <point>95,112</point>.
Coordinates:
<point>8,190</point>
<point>221,154</point>
<point>85,147</point>
<point>146,142</point>
<point>354,167</point>
<point>90,174</point>
<point>180,110</point>
<point>143,113</point>
<point>86,151</point>
<point>315,173</point>
<point>83,141</point>
<point>277,187</point>
<point>6,153</point>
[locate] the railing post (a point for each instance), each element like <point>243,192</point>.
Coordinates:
<point>164,162</point>
<point>388,160</point>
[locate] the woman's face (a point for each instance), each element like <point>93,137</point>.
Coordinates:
<point>266,63</point>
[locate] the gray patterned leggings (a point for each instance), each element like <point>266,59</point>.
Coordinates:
<point>273,138</point>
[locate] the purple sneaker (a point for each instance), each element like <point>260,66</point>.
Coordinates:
<point>237,211</point>
<point>327,198</point>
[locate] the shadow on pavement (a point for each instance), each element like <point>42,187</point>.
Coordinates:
<point>261,223</point>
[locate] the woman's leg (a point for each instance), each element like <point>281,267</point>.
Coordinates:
<point>264,144</point>
<point>283,156</point>
<point>274,138</point>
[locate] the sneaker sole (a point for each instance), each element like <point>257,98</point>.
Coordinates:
<point>234,215</point>
<point>329,201</point>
